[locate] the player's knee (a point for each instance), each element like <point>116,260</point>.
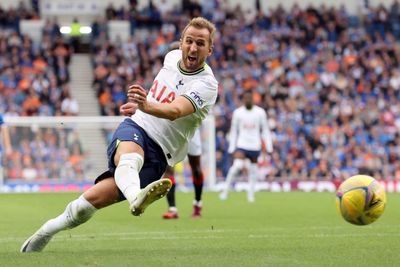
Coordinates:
<point>253,166</point>
<point>130,160</point>
<point>238,163</point>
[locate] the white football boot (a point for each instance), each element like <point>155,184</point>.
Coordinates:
<point>223,195</point>
<point>149,194</point>
<point>36,243</point>
<point>251,198</point>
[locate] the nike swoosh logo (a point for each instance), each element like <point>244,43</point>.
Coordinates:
<point>26,246</point>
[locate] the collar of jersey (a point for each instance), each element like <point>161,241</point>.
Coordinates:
<point>191,72</point>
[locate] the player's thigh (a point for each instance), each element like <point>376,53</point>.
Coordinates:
<point>128,138</point>
<point>239,154</point>
<point>253,160</point>
<point>125,147</point>
<point>103,194</point>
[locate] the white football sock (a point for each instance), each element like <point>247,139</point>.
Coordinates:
<point>77,212</point>
<point>197,203</point>
<point>127,175</point>
<point>232,173</point>
<point>173,209</point>
<point>253,175</point>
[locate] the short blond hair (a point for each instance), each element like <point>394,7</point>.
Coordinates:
<point>201,23</point>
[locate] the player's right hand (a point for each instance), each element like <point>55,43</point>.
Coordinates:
<point>128,109</point>
<point>136,94</point>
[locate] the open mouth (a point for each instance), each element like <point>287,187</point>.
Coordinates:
<point>191,59</point>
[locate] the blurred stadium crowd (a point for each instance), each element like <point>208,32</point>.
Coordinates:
<point>329,81</point>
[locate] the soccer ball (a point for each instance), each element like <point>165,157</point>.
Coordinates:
<point>361,199</point>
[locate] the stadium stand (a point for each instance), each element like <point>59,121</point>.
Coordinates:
<point>329,80</point>
<point>34,81</point>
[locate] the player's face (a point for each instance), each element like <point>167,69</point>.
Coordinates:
<point>195,48</point>
<point>248,100</point>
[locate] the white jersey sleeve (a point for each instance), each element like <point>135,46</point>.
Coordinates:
<point>201,94</point>
<point>266,132</point>
<point>233,134</point>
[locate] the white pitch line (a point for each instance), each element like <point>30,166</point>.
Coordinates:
<point>163,232</point>
<point>98,238</point>
<point>129,235</point>
<point>260,233</point>
<point>322,235</point>
<point>103,237</point>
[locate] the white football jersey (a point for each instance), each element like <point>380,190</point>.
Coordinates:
<point>248,128</point>
<point>199,87</point>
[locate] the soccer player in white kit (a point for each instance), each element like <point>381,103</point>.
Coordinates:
<point>181,96</point>
<point>194,157</point>
<point>248,128</point>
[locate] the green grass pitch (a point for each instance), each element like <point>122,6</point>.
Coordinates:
<point>279,229</point>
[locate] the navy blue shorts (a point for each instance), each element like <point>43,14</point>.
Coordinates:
<point>154,160</point>
<point>250,154</point>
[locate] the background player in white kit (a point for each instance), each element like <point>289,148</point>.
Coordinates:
<point>157,134</point>
<point>249,126</point>
<point>194,157</point>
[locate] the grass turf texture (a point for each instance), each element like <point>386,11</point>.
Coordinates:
<point>279,229</point>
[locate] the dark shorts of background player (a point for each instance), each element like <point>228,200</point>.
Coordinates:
<point>154,160</point>
<point>250,154</point>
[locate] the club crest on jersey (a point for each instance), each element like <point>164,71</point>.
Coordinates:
<point>195,96</point>
<point>161,94</point>
<point>179,84</point>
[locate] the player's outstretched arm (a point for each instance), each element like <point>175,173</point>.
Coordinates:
<point>233,133</point>
<point>178,108</point>
<point>266,134</point>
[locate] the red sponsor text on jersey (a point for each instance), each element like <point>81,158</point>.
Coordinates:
<point>159,94</point>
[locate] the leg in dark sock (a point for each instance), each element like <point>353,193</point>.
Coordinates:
<point>198,186</point>
<point>198,181</point>
<point>172,212</point>
<point>197,176</point>
<point>171,195</point>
